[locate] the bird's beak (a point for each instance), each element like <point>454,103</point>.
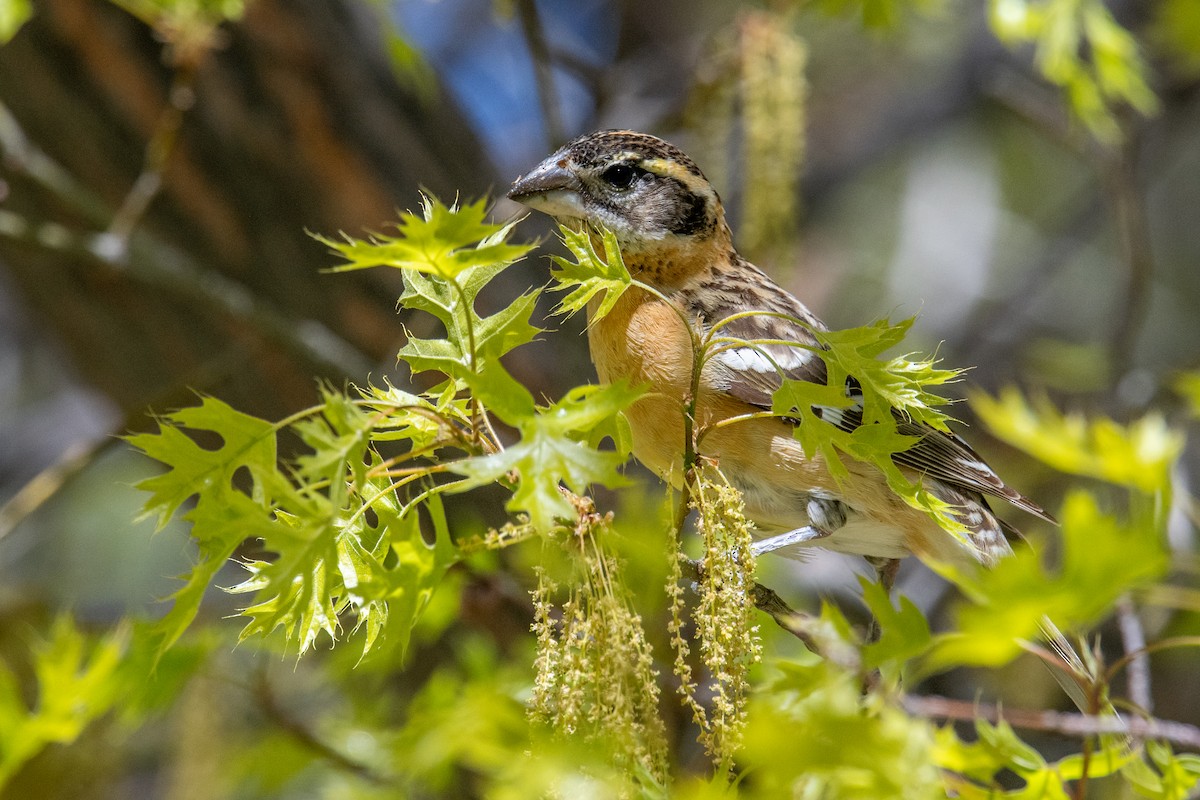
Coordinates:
<point>550,187</point>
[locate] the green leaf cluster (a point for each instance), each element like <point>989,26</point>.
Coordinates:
<point>894,393</point>
<point>330,556</point>
<point>1084,51</point>
<point>354,528</point>
<point>1105,553</point>
<point>813,733</point>
<point>1138,456</point>
<point>977,765</point>
<point>1102,559</point>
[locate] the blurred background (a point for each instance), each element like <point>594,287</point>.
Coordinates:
<point>161,163</point>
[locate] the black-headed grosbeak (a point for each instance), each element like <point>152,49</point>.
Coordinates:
<point>671,227</point>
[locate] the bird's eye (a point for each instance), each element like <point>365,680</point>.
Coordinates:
<point>620,176</point>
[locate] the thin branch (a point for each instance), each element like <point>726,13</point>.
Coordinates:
<point>154,263</point>
<point>1128,208</point>
<point>1066,724</point>
<point>146,187</point>
<point>268,704</point>
<point>34,494</point>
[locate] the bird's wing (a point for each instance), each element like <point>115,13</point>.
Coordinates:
<point>747,364</point>
<point>751,368</point>
<point>754,371</point>
<point>944,456</point>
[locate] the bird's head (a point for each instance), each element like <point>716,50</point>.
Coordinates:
<point>662,209</point>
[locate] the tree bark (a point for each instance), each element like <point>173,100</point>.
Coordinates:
<point>296,122</point>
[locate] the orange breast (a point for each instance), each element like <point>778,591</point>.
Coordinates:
<point>643,340</point>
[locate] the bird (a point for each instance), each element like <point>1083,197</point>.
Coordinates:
<point>671,227</point>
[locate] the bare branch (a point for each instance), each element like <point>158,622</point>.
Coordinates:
<point>152,262</point>
<point>1129,212</point>
<point>1067,724</point>
<point>268,704</point>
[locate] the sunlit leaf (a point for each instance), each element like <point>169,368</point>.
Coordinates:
<point>552,449</point>
<point>442,240</point>
<point>1164,774</point>
<point>590,275</point>
<point>1138,455</point>
<point>889,388</point>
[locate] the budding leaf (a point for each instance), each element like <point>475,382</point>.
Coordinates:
<point>589,275</point>
<point>442,240</point>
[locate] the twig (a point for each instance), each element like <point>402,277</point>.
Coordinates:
<point>49,481</point>
<point>268,704</point>
<point>1066,724</point>
<point>1128,208</point>
<point>146,187</point>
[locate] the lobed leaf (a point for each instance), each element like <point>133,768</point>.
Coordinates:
<point>443,240</point>
<point>590,277</point>
<point>874,443</point>
<point>1082,49</point>
<point>553,448</point>
<point>898,383</point>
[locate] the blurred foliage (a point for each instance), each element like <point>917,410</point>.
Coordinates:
<point>187,27</point>
<point>1177,28</point>
<point>755,81</point>
<point>1139,455</point>
<point>76,683</point>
